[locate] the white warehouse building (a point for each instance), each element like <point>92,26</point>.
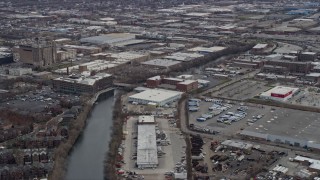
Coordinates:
<point>279,93</point>
<point>147,152</point>
<point>158,96</point>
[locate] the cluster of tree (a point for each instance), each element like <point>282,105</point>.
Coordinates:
<point>15,117</point>
<point>55,110</point>
<point>117,134</point>
<point>65,103</point>
<point>61,153</point>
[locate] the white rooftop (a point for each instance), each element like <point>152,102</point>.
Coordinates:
<point>82,79</point>
<point>155,78</point>
<point>197,14</point>
<point>201,81</point>
<point>185,76</point>
<point>147,146</point>
<point>186,82</point>
<point>108,38</point>
<point>174,79</point>
<point>156,95</point>
<point>309,53</point>
<point>260,46</point>
<point>62,40</point>
<point>279,90</point>
<point>128,55</point>
<point>314,164</point>
<point>161,62</point>
<point>146,119</point>
<point>313,75</point>
<point>179,56</point>
<point>96,65</point>
<point>80,47</point>
<point>208,49</point>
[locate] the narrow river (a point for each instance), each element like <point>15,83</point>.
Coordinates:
<point>86,161</point>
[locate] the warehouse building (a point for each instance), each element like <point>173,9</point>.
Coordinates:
<point>307,56</point>
<point>19,71</point>
<point>131,56</point>
<point>79,84</point>
<point>180,84</point>
<point>112,39</point>
<point>83,49</point>
<point>294,130</point>
<point>187,85</point>
<point>171,81</point>
<point>158,96</point>
<point>162,63</point>
<point>179,56</point>
<point>147,155</point>
<point>259,48</point>
<point>279,93</point>
<point>314,164</point>
<point>247,63</point>
<point>65,55</point>
<point>292,66</point>
<point>96,65</point>
<point>154,82</point>
<point>39,54</point>
<point>207,50</point>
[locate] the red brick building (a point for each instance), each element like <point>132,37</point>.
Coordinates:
<point>180,84</point>
<point>154,82</point>
<point>171,81</point>
<point>187,86</point>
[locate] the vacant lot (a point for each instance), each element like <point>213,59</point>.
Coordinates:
<point>241,90</point>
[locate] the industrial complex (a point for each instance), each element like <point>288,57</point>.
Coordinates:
<point>154,90</point>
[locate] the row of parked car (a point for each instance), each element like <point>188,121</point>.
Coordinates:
<point>231,117</point>
<point>193,105</point>
<point>217,108</point>
<point>205,117</point>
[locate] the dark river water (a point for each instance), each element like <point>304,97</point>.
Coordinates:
<point>86,160</point>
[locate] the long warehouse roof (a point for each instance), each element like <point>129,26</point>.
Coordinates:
<point>147,146</point>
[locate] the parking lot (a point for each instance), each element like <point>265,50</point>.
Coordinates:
<point>228,128</point>
<point>241,90</point>
<point>39,100</point>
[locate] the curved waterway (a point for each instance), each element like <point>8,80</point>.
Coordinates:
<point>86,161</point>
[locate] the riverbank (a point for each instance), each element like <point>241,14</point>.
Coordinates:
<point>75,130</point>
<point>112,156</point>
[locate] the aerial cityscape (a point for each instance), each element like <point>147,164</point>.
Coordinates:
<point>160,90</point>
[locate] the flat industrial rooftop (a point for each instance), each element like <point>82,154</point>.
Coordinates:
<point>290,123</point>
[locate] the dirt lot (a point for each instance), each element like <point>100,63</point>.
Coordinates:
<point>306,98</point>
